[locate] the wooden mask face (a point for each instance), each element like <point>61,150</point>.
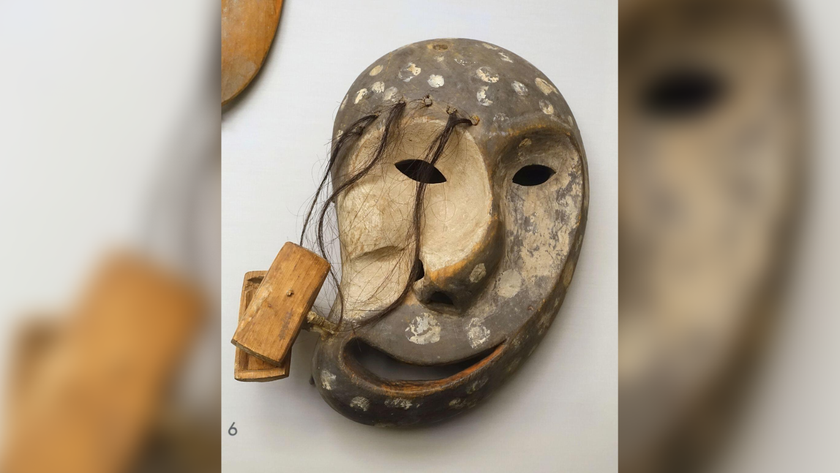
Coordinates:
<point>710,148</point>
<point>501,225</point>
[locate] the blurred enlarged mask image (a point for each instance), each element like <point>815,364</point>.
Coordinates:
<point>711,156</point>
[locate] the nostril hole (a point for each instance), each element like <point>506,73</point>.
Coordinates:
<point>532,175</point>
<point>420,171</point>
<point>438,297</point>
<point>419,271</point>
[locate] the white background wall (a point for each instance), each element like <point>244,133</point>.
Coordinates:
<point>560,412</point>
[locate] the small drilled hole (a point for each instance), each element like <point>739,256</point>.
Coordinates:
<point>682,92</point>
<point>440,47</point>
<point>532,175</point>
<point>420,171</point>
<point>440,298</point>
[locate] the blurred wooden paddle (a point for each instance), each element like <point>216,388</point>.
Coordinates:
<point>248,27</point>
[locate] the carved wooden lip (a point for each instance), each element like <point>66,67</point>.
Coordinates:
<point>416,388</point>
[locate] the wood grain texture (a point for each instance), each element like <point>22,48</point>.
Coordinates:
<point>247,367</point>
<point>248,29</point>
<point>94,387</point>
<point>279,306</point>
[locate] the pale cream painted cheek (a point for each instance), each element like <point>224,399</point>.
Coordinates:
<point>374,214</point>
<point>375,226</point>
<point>457,212</point>
<point>375,217</point>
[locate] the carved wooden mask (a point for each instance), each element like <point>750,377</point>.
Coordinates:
<point>711,153</point>
<point>503,220</point>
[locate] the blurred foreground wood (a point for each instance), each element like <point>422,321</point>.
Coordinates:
<point>248,28</point>
<point>86,403</point>
<point>247,367</point>
<point>280,304</point>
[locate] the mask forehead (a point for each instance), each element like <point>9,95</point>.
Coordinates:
<point>503,92</point>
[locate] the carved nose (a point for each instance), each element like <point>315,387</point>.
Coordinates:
<point>453,287</point>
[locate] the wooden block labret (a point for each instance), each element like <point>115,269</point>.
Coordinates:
<point>279,306</point>
<point>247,367</point>
<point>96,382</point>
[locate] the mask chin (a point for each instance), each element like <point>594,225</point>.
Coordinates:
<point>372,387</point>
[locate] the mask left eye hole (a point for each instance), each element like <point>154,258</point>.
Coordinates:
<point>420,171</point>
<point>532,175</point>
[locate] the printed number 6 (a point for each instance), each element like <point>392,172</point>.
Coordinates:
<point>232,430</point>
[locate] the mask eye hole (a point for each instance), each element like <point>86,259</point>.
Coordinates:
<point>420,171</point>
<point>683,93</point>
<point>532,175</point>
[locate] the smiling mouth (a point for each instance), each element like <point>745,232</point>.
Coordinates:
<point>363,356</point>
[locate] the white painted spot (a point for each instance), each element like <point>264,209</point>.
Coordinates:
<point>462,61</point>
<point>436,81</point>
<point>509,283</point>
<point>439,58</point>
<point>525,142</point>
<point>360,95</point>
<point>343,102</point>
<point>544,86</point>
<point>476,385</point>
<point>478,273</point>
<point>546,107</point>
<point>360,403</point>
<point>376,70</point>
<point>378,87</point>
<point>519,88</point>
<point>487,75</point>
<point>390,94</point>
<point>338,134</point>
<point>501,118</point>
<point>505,57</point>
<point>424,329</point>
<point>489,46</point>
<point>477,333</point>
<point>399,403</point>
<point>481,95</point>
<point>327,380</point>
<point>457,403</point>
<point>410,71</point>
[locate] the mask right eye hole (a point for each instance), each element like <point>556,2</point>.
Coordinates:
<point>683,93</point>
<point>532,175</point>
<point>420,171</point>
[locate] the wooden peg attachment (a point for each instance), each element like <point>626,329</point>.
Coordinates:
<point>247,367</point>
<point>280,304</point>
